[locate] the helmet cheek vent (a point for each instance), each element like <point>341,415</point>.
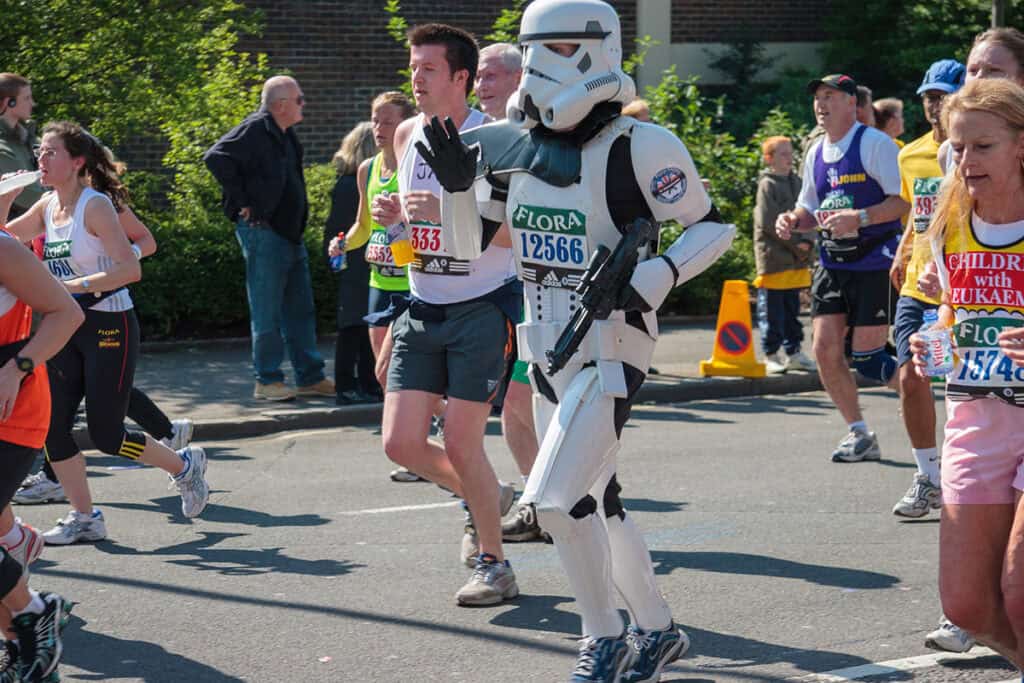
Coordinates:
<point>585,64</point>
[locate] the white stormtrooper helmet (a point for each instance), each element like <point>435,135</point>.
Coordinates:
<point>558,92</point>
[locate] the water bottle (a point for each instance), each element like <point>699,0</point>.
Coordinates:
<point>338,262</point>
<point>940,345</point>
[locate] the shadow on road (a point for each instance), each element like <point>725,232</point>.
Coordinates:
<point>667,561</point>
<point>110,658</point>
<point>649,505</point>
<point>224,514</point>
<point>235,561</point>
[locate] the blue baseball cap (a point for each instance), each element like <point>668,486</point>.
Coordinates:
<point>946,75</point>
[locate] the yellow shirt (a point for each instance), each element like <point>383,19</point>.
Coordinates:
<point>985,287</point>
<point>797,278</point>
<point>920,177</point>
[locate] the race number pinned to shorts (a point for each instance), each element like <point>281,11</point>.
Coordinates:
<point>668,185</point>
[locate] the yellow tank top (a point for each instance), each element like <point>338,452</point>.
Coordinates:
<point>985,287</point>
<point>920,177</point>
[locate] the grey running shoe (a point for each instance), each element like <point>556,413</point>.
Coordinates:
<point>857,446</point>
<point>76,527</point>
<point>491,583</point>
<point>36,488</point>
<point>401,474</point>
<point>949,637</point>
<point>437,426</point>
<point>181,434</point>
<point>39,639</point>
<point>921,497</point>
<point>603,660</point>
<point>653,651</point>
<point>800,361</point>
<point>522,527</point>
<point>774,364</point>
<point>191,483</point>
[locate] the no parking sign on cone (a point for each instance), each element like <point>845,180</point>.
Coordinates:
<point>733,355</point>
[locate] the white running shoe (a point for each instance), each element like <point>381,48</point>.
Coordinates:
<point>921,497</point>
<point>773,364</point>
<point>857,446</point>
<point>36,488</point>
<point>29,548</point>
<point>77,527</point>
<point>949,637</point>
<point>191,483</point>
<point>181,434</point>
<point>802,362</point>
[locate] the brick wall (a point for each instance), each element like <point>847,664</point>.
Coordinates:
<point>713,21</point>
<point>342,55</point>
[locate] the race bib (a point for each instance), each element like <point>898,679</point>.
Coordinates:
<point>926,196</point>
<point>552,245</point>
<point>378,252</point>
<point>57,257</point>
<point>831,205</point>
<point>983,363</point>
<point>430,257</point>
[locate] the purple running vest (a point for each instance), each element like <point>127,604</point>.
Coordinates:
<point>846,185</point>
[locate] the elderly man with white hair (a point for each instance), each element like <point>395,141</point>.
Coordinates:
<point>259,167</point>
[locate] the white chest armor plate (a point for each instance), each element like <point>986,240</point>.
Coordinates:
<point>554,232</point>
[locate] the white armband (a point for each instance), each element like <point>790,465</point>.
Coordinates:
<point>461,227</point>
<point>697,248</point>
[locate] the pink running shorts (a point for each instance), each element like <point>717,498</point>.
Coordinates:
<point>983,452</point>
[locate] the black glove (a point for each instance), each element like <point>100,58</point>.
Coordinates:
<point>453,163</point>
<point>630,300</point>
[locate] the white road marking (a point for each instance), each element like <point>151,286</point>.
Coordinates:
<point>400,508</point>
<point>855,673</point>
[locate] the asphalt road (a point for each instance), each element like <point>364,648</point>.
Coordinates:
<point>310,565</point>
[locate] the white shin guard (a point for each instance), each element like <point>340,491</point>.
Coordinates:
<point>633,575</point>
<point>586,558</point>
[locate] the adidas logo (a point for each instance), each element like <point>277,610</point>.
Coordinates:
<point>492,384</point>
<point>551,280</point>
<point>434,267</point>
<point>881,313</point>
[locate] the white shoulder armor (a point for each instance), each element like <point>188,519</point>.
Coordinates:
<point>666,175</point>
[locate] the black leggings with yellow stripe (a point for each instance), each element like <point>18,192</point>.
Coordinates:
<point>97,364</point>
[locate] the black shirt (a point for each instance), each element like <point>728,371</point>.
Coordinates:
<point>259,166</point>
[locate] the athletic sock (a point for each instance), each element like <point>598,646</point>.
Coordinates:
<point>35,605</point>
<point>12,537</point>
<point>859,426</point>
<point>927,460</point>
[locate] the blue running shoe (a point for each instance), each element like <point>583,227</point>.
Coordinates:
<point>601,659</point>
<point>652,651</point>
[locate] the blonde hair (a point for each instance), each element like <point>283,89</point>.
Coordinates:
<point>771,144</point>
<point>635,107</point>
<point>997,96</point>
<point>397,99</point>
<point>355,148</point>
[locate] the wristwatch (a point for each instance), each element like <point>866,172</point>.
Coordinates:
<point>865,221</point>
<point>85,283</point>
<point>25,364</point>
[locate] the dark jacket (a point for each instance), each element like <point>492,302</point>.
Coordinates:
<point>775,194</point>
<point>17,153</point>
<point>260,166</point>
<point>354,280</point>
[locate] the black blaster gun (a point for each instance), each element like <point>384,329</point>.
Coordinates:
<point>603,282</point>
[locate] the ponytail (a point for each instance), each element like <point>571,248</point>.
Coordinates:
<point>100,167</point>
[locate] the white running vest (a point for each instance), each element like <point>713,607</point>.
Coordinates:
<point>7,300</point>
<point>71,252</point>
<point>435,276</point>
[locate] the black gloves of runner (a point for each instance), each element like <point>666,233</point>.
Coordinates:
<point>453,163</point>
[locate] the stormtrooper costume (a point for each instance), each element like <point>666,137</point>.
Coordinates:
<point>568,173</point>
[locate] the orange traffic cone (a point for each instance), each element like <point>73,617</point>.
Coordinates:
<point>733,354</point>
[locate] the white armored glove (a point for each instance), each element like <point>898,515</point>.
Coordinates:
<point>697,248</point>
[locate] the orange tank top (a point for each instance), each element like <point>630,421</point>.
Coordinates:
<point>30,420</point>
